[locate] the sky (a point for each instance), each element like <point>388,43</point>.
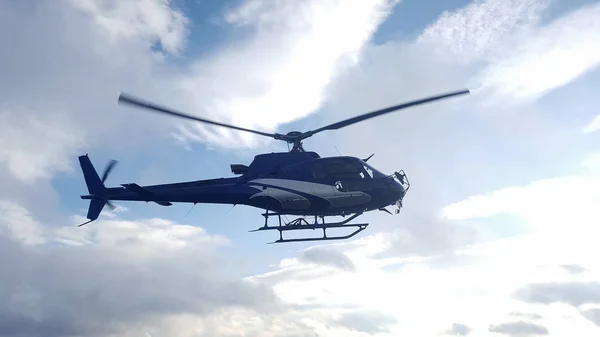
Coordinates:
<point>497,236</point>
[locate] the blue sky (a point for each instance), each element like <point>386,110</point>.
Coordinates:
<point>498,226</point>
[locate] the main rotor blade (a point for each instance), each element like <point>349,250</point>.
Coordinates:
<point>373,114</point>
<point>123,98</point>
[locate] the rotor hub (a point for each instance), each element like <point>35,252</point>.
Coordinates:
<point>295,138</point>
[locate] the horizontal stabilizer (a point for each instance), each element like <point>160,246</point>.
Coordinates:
<point>144,193</point>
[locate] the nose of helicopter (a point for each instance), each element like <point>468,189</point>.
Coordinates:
<point>400,185</point>
<point>398,190</point>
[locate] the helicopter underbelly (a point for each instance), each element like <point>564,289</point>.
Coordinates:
<point>297,195</point>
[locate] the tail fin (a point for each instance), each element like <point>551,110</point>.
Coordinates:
<point>92,179</point>
<point>95,188</point>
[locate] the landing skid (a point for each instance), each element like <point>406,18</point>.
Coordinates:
<point>301,224</point>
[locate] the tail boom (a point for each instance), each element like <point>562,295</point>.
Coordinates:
<point>214,191</point>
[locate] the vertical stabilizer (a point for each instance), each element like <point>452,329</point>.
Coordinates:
<point>95,188</point>
<point>92,179</point>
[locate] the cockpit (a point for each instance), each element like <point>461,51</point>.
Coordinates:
<point>344,169</point>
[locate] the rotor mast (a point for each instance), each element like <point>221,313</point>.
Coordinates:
<point>296,146</point>
<point>295,139</point>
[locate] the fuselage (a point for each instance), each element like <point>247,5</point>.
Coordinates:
<point>296,184</point>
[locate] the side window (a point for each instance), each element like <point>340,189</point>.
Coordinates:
<point>344,170</point>
<point>318,171</point>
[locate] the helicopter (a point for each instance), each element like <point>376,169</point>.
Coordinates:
<point>296,183</point>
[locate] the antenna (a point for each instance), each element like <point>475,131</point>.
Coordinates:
<point>338,151</point>
<point>188,213</point>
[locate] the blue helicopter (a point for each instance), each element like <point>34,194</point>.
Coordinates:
<point>297,183</point>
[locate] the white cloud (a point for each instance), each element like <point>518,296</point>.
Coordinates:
<point>547,57</point>
<point>479,30</point>
<point>519,328</point>
<point>18,224</point>
<point>146,20</point>
<point>563,204</point>
<point>125,274</point>
<point>592,162</point>
<point>64,101</point>
<point>280,73</point>
<point>593,126</point>
<point>522,57</point>
<point>36,147</point>
<point>426,298</point>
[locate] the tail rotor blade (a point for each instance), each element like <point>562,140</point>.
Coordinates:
<point>109,168</point>
<point>111,205</point>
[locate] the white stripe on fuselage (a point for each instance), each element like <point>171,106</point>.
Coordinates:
<point>295,201</point>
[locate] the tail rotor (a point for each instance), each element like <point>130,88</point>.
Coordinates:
<point>107,171</point>
<point>108,168</point>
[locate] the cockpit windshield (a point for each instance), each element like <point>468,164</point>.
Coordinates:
<point>372,171</point>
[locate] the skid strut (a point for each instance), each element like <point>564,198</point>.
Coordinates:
<point>302,224</point>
